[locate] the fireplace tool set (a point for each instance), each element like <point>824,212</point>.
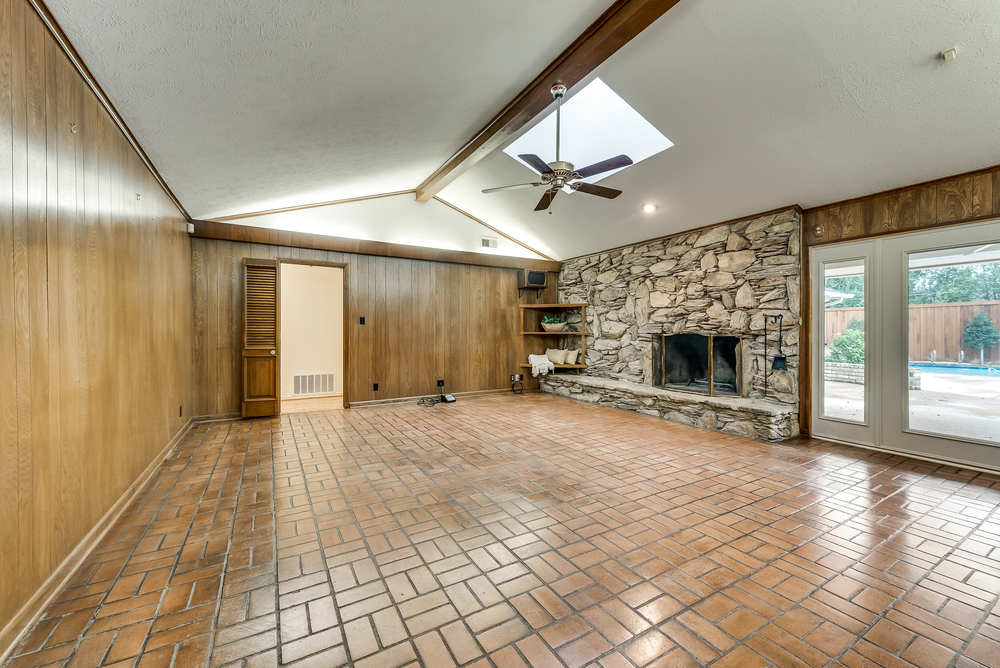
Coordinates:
<point>779,361</point>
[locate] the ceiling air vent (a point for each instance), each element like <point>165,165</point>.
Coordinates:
<point>487,242</point>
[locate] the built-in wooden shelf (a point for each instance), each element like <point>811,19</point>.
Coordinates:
<point>531,328</point>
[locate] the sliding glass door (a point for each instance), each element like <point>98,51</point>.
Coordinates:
<point>907,343</point>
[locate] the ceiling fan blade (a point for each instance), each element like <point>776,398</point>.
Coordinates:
<point>537,163</point>
<point>592,189</point>
<point>546,200</point>
<point>605,166</point>
<point>514,187</point>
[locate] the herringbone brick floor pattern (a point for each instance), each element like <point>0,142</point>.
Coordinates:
<point>532,530</point>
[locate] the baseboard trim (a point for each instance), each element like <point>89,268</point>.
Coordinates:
<point>940,461</point>
<point>32,610</point>
<point>217,418</point>
<point>405,400</point>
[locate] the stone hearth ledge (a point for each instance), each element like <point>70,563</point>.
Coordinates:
<point>753,418</point>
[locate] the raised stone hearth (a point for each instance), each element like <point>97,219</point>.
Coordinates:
<point>746,417</point>
<point>721,280</point>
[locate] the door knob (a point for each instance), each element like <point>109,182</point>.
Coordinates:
<point>272,352</point>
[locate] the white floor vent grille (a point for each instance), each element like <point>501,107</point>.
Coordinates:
<point>313,383</point>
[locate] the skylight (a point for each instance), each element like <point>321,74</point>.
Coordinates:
<point>597,124</point>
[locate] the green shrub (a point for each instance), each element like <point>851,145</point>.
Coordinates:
<point>856,325</point>
<point>848,347</point>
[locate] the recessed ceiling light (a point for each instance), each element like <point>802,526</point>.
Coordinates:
<point>649,208</point>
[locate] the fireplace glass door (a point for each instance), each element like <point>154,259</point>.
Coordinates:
<point>699,363</point>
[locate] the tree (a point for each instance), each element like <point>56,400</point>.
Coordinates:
<point>852,285</point>
<point>959,283</point>
<point>980,333</point>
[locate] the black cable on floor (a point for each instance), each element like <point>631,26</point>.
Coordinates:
<point>430,401</point>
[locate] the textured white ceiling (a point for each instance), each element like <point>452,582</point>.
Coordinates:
<point>245,105</point>
<point>399,219</point>
<point>772,103</point>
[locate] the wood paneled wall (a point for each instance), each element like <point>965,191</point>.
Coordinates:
<point>966,198</point>
<point>424,320</point>
<point>95,313</point>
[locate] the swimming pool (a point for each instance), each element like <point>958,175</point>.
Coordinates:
<point>991,371</point>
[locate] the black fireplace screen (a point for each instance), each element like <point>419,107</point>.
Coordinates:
<point>698,363</point>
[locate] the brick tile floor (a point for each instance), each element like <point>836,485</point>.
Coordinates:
<point>532,530</point>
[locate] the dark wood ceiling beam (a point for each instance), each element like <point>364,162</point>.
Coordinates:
<point>622,22</point>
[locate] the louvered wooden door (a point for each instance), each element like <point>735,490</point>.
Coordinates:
<point>261,390</point>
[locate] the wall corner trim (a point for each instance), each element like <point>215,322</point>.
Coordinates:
<point>25,618</point>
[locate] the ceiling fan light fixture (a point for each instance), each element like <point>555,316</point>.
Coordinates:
<point>649,208</point>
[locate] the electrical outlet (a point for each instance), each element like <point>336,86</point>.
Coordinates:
<point>512,378</point>
<point>375,386</point>
<point>520,376</point>
<point>441,382</point>
<point>362,320</point>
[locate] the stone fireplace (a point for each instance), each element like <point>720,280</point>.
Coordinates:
<point>703,364</point>
<point>707,292</point>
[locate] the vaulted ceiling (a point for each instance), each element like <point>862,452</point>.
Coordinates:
<point>245,106</point>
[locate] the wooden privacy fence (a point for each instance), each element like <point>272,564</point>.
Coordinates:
<point>933,327</point>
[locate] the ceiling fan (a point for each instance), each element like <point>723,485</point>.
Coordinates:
<point>558,174</point>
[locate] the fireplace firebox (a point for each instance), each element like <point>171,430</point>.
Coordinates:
<point>704,364</point>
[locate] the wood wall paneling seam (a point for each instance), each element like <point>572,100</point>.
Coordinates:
<point>95,316</point>
<point>425,320</point>
<point>67,47</point>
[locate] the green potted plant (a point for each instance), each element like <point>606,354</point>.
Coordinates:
<point>553,323</point>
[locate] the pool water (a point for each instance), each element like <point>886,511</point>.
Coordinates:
<point>993,371</point>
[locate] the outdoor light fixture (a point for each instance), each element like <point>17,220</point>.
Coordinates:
<point>780,361</point>
<point>649,208</point>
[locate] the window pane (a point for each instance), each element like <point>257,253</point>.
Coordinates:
<point>954,345</point>
<point>843,325</point>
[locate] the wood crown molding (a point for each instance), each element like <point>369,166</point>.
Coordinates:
<point>615,28</point>
<point>63,41</point>
<point>207,229</point>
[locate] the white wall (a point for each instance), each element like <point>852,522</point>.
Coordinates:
<point>312,323</point>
